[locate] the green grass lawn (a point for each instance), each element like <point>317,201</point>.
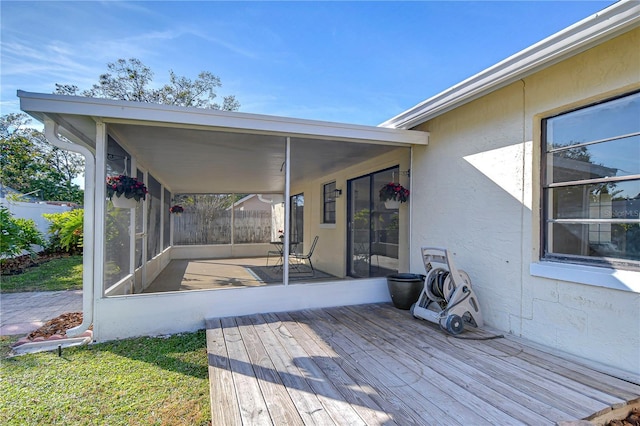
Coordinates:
<point>57,274</point>
<point>142,381</point>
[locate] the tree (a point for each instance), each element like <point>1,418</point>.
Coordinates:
<point>31,165</point>
<point>130,80</point>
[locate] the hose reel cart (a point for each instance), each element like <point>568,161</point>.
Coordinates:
<point>447,297</point>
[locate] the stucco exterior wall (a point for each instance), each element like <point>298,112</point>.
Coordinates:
<point>476,191</point>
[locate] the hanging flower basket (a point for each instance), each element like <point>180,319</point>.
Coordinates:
<point>392,204</point>
<point>392,194</point>
<point>125,191</point>
<point>177,209</point>
<point>120,202</point>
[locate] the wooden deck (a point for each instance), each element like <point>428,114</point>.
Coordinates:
<point>376,365</point>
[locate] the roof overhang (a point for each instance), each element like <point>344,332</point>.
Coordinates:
<point>110,111</point>
<point>599,27</point>
<point>203,150</point>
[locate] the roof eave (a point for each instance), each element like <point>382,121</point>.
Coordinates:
<point>606,24</point>
<point>108,110</point>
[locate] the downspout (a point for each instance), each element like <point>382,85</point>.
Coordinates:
<point>51,133</point>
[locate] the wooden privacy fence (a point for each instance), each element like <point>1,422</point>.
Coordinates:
<point>207,226</point>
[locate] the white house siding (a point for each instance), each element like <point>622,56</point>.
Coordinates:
<point>476,191</point>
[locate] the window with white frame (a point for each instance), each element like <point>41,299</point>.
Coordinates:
<point>591,184</point>
<point>329,203</point>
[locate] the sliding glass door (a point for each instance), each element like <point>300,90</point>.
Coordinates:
<point>372,247</point>
<point>297,223</point>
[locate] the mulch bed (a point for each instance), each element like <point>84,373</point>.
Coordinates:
<point>633,419</point>
<point>55,329</point>
<point>19,264</point>
<point>57,326</point>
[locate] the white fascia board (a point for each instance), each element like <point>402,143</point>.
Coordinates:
<point>599,27</point>
<point>111,111</point>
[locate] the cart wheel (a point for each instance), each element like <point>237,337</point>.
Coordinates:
<point>454,324</point>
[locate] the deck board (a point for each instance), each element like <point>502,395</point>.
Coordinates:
<point>339,410</point>
<point>460,373</point>
<point>514,402</point>
<point>376,389</point>
<point>507,367</point>
<point>306,401</point>
<point>457,402</point>
<point>280,405</point>
<point>253,407</point>
<point>620,389</point>
<point>377,365</point>
<point>221,387</point>
<point>350,390</point>
<point>404,385</point>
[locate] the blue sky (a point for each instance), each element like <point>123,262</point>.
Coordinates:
<point>355,62</point>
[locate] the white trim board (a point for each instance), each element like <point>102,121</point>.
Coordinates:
<point>590,275</point>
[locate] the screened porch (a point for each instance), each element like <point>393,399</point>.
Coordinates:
<point>246,216</point>
<point>243,180</point>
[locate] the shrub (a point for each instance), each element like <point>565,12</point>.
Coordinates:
<point>18,234</point>
<point>66,230</point>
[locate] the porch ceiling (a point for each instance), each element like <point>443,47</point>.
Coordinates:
<point>196,150</point>
<point>200,161</point>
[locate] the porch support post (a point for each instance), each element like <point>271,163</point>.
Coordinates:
<point>410,242</point>
<point>145,232</point>
<point>132,235</point>
<point>233,224</point>
<point>99,221</point>
<point>287,219</point>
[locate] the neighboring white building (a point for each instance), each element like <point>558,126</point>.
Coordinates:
<point>30,208</point>
<point>504,170</point>
<point>256,202</point>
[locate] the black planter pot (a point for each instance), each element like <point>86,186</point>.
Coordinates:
<point>405,289</point>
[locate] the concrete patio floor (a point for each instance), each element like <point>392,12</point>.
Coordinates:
<point>180,275</point>
<point>207,274</point>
